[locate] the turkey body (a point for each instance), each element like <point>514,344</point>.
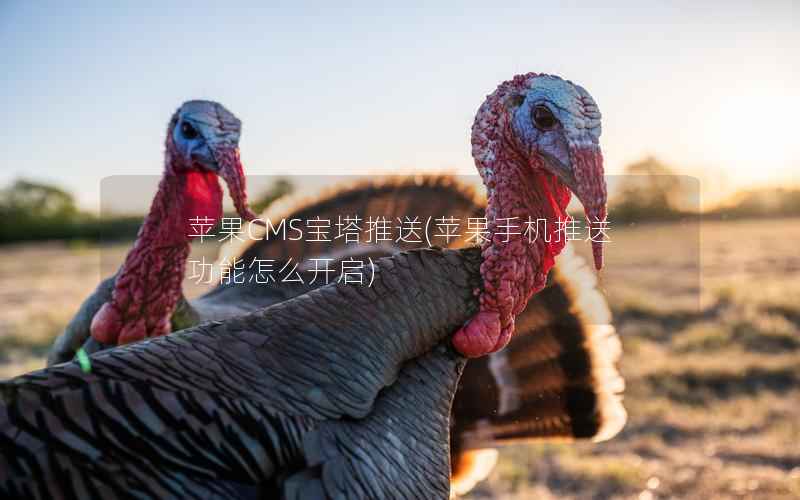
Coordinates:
<point>284,397</point>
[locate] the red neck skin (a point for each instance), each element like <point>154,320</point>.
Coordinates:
<point>512,271</point>
<point>148,285</point>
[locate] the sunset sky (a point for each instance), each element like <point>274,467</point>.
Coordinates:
<point>86,91</point>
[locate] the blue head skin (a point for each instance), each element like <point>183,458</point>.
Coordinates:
<point>558,122</point>
<point>201,130</point>
<point>205,136</point>
<point>557,119</point>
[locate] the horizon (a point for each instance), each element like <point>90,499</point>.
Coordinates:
<point>710,90</point>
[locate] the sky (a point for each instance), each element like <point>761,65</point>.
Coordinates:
<point>87,89</point>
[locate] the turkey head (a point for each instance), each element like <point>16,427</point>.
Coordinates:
<point>535,141</point>
<point>202,144</point>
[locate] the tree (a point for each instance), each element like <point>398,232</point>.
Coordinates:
<point>280,188</point>
<point>30,211</point>
<point>35,201</point>
<point>648,190</point>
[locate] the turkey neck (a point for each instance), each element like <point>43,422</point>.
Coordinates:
<point>148,285</point>
<point>522,196</point>
<point>515,266</point>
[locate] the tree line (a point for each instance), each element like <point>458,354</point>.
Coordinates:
<point>648,191</point>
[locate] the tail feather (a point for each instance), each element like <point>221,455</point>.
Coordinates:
<point>469,467</point>
<point>556,380</point>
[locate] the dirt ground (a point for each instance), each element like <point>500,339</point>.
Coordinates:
<point>709,316</point>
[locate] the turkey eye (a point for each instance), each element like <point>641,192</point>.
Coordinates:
<point>188,132</point>
<point>543,118</point>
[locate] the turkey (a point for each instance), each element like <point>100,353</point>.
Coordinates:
<point>556,378</point>
<point>201,144</point>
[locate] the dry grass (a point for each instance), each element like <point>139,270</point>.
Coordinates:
<point>41,287</point>
<point>710,321</point>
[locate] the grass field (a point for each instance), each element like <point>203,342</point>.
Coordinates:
<point>709,317</point>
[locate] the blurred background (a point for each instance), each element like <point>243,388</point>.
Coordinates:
<point>700,107</point>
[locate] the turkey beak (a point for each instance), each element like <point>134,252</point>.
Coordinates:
<point>589,185</point>
<point>231,169</point>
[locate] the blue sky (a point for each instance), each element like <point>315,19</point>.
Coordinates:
<point>87,89</point>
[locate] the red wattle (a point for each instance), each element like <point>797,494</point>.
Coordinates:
<point>106,325</point>
<point>202,202</point>
<point>479,336</point>
<point>148,285</point>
